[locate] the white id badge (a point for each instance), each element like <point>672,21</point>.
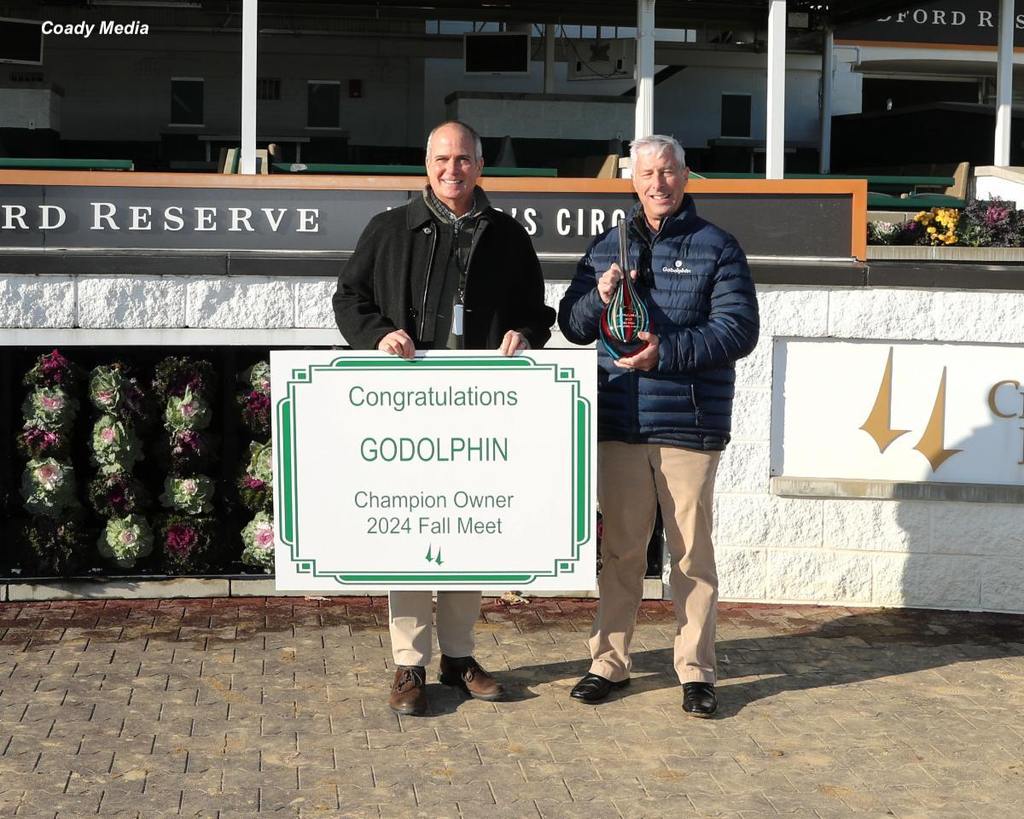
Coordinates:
<point>457,319</point>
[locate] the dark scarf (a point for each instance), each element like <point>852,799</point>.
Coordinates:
<point>446,216</point>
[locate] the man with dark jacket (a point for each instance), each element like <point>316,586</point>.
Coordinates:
<point>663,414</point>
<point>445,271</point>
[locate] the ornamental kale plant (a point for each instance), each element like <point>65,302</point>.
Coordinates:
<point>51,370</point>
<point>125,540</point>
<point>115,447</point>
<point>185,543</point>
<point>255,486</point>
<point>258,537</point>
<point>116,495</point>
<point>176,375</point>
<point>191,495</point>
<point>991,223</point>
<point>48,487</point>
<point>254,399</point>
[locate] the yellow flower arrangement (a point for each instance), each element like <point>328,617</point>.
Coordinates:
<point>940,225</point>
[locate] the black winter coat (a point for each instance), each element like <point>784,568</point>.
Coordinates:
<point>700,295</point>
<point>504,285</point>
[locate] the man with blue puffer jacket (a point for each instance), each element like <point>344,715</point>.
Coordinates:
<point>663,414</point>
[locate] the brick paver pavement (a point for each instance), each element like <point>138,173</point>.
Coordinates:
<point>236,707</point>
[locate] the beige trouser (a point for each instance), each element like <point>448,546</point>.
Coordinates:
<point>410,615</point>
<point>632,480</point>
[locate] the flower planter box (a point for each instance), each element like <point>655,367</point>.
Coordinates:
<point>918,253</point>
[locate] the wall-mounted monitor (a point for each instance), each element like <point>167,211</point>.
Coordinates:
<point>21,41</point>
<point>491,53</point>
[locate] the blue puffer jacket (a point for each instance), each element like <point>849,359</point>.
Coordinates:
<point>697,286</point>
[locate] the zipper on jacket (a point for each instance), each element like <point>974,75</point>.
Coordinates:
<point>426,283</point>
<point>477,233</point>
<point>634,399</point>
<point>696,407</point>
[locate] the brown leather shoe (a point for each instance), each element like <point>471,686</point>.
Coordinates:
<point>409,691</point>
<point>466,673</point>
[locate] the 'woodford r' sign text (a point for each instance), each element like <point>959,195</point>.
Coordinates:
<point>953,22</point>
<point>82,217</point>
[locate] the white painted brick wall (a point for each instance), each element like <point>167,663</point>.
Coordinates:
<point>877,526</point>
<point>895,314</point>
<point>853,552</point>
<point>819,576</point>
<point>744,467</point>
<point>37,301</point>
<point>979,316</point>
<point>790,311</point>
<point>743,573</point>
<point>313,303</point>
<point>1002,584</point>
<point>958,529</point>
<point>751,415</point>
<point>756,369</point>
<point>131,301</point>
<point>767,521</point>
<point>243,301</point>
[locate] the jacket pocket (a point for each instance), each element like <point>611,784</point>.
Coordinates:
<point>696,406</point>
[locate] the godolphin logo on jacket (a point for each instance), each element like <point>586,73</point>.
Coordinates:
<point>677,269</point>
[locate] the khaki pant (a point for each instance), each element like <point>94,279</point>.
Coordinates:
<point>632,480</point>
<point>410,614</point>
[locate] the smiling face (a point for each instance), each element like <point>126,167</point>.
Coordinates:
<point>659,182</point>
<point>452,167</point>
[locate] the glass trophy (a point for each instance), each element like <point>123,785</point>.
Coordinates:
<point>625,316</point>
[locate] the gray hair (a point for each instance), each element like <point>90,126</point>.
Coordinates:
<point>477,144</point>
<point>657,144</point>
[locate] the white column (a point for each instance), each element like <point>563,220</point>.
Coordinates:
<point>549,58</point>
<point>827,63</point>
<point>644,121</point>
<point>249,32</point>
<point>1004,83</point>
<point>776,126</point>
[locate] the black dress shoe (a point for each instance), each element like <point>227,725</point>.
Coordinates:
<point>594,688</point>
<point>699,699</point>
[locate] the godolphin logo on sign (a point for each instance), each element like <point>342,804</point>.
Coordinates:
<point>1005,399</point>
<point>879,422</point>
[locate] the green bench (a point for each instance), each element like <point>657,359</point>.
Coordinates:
<point>885,192</point>
<point>394,170</point>
<point>67,164</point>
<point>913,202</point>
<point>875,181</point>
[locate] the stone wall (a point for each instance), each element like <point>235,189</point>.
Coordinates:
<point>770,548</point>
<point>863,552</point>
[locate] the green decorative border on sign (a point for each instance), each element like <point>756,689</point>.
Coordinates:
<point>581,490</point>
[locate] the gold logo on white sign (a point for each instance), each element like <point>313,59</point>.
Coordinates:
<point>993,405</point>
<point>879,422</point>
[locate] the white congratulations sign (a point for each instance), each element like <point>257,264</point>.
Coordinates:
<point>458,470</point>
<point>899,411</point>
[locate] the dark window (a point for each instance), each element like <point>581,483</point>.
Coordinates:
<point>735,115</point>
<point>186,102</point>
<point>324,105</point>
<point>268,88</point>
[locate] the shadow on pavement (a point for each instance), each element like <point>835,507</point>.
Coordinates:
<point>813,654</point>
